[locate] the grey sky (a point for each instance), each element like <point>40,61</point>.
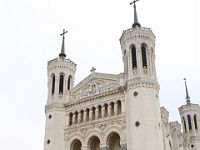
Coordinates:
<point>29,35</point>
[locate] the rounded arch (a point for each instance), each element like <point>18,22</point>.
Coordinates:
<point>69,82</point>
<point>117,129</point>
<point>76,145</point>
<point>105,109</point>
<point>119,107</point>
<point>144,55</point>
<point>113,141</point>
<point>112,112</point>
<point>72,138</point>
<point>53,80</point>
<point>61,82</point>
<point>92,133</point>
<point>133,56</point>
<point>94,143</point>
<point>195,122</point>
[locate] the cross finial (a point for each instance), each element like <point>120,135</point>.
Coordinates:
<point>93,70</point>
<point>187,94</point>
<point>62,54</point>
<point>134,2</point>
<point>136,23</point>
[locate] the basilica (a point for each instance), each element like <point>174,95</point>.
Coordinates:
<point>116,111</point>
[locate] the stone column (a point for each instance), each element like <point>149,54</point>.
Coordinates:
<point>186,123</point>
<point>123,106</point>
<point>103,146</point>
<point>74,118</point>
<point>123,147</point>
<point>96,113</point>
<point>109,110</point>
<point>192,123</point>
<point>90,115</point>
<point>115,108</point>
<point>79,117</point>
<point>103,112</point>
<point>67,119</point>
<point>85,116</point>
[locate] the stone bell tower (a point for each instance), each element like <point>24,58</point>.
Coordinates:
<point>190,118</point>
<point>144,131</point>
<point>61,75</point>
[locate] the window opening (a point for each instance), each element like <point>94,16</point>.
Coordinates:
<point>134,57</point>
<point>195,121</point>
<point>53,85</point>
<point>61,83</point>
<point>189,122</point>
<point>144,57</point>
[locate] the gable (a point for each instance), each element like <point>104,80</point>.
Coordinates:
<point>95,83</point>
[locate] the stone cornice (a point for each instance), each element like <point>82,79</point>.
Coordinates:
<point>189,108</point>
<point>54,107</point>
<point>94,97</point>
<point>137,82</point>
<point>98,121</point>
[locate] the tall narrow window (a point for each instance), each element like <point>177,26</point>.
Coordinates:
<point>53,84</point>
<point>69,82</point>
<point>195,122</point>
<point>144,57</point>
<point>61,83</point>
<point>134,57</point>
<point>189,122</point>
<point>184,124</point>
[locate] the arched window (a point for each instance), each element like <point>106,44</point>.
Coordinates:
<point>189,122</point>
<point>70,119</point>
<point>61,84</point>
<point>87,114</point>
<point>144,56</point>
<point>53,84</point>
<point>82,115</point>
<point>76,145</point>
<point>119,107</point>
<point>94,143</point>
<point>134,57</point>
<point>99,111</point>
<point>184,124</point>
<point>106,110</point>
<point>113,141</point>
<point>93,113</point>
<point>69,82</point>
<point>195,122</point>
<point>112,108</point>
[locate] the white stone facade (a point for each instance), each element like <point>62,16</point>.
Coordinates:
<point>116,112</point>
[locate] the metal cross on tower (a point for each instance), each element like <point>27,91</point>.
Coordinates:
<point>63,34</point>
<point>134,2</point>
<point>62,54</point>
<point>136,23</point>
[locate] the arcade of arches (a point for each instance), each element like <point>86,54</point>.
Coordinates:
<point>112,143</point>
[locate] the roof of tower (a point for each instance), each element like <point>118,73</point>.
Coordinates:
<point>136,23</point>
<point>187,93</point>
<point>62,54</point>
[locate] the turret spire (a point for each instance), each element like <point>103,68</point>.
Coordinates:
<point>136,23</point>
<point>187,94</point>
<point>62,54</point>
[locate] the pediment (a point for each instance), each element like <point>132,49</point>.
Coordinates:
<point>94,84</point>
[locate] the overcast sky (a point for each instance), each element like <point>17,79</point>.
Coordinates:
<point>29,35</point>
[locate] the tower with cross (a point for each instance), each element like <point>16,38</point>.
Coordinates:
<point>142,94</point>
<point>61,75</point>
<point>189,114</point>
